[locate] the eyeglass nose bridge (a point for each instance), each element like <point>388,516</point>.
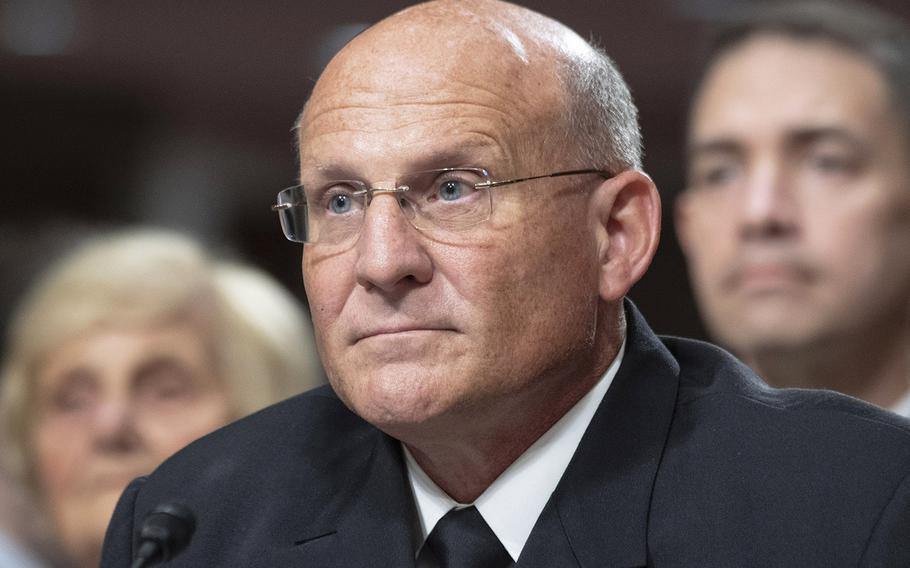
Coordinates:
<point>370,192</point>
<point>407,207</point>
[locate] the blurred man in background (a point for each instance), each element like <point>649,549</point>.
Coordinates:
<point>796,218</point>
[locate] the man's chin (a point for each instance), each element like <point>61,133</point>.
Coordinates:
<point>391,413</point>
<point>783,335</point>
<point>396,401</point>
<point>764,317</point>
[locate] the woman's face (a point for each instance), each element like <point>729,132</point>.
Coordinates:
<point>111,405</point>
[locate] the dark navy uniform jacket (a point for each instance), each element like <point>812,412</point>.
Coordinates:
<point>690,460</point>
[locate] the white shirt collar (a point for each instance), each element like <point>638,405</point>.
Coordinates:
<point>514,501</point>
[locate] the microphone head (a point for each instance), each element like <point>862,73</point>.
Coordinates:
<point>170,526</point>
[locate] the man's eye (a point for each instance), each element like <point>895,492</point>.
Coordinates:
<point>718,176</point>
<point>451,189</point>
<point>830,163</point>
<point>340,203</point>
<point>712,177</point>
<point>715,170</point>
<point>338,200</point>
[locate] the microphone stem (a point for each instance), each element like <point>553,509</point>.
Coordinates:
<point>148,551</point>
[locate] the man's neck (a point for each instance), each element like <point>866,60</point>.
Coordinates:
<point>466,466</point>
<point>875,369</point>
<point>474,452</point>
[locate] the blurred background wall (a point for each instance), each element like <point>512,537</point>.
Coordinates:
<point>178,114</point>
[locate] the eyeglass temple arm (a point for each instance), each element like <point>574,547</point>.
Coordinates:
<point>489,184</point>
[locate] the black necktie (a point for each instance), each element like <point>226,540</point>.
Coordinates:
<point>462,539</point>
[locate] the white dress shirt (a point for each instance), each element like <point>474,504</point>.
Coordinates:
<point>514,501</point>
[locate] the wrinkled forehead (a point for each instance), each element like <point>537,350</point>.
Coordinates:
<point>431,66</point>
<point>447,42</point>
<point>422,70</point>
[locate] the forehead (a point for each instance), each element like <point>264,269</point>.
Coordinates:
<point>430,93</point>
<point>771,85</point>
<point>120,348</point>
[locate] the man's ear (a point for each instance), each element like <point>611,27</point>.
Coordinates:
<point>627,207</point>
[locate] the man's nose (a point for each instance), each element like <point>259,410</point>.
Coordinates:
<point>390,252</point>
<point>769,205</point>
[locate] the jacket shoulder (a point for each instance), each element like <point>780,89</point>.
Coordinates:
<point>707,371</point>
<point>257,480</point>
<point>312,428</point>
<point>310,423</point>
<point>826,474</point>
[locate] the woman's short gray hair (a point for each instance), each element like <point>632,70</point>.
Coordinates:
<point>260,335</point>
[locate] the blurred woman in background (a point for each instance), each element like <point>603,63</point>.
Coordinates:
<point>127,350</point>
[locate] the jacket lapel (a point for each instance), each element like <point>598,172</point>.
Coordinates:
<point>372,524</point>
<point>598,514</point>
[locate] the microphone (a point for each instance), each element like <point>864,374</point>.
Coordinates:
<point>164,534</point>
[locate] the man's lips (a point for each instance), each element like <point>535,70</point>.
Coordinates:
<point>393,330</point>
<point>766,276</point>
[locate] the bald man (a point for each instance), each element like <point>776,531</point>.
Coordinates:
<point>473,212</point>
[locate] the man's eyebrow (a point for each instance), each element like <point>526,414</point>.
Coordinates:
<point>713,146</point>
<point>809,135</point>
<point>795,138</point>
<point>333,171</point>
<point>466,155</point>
